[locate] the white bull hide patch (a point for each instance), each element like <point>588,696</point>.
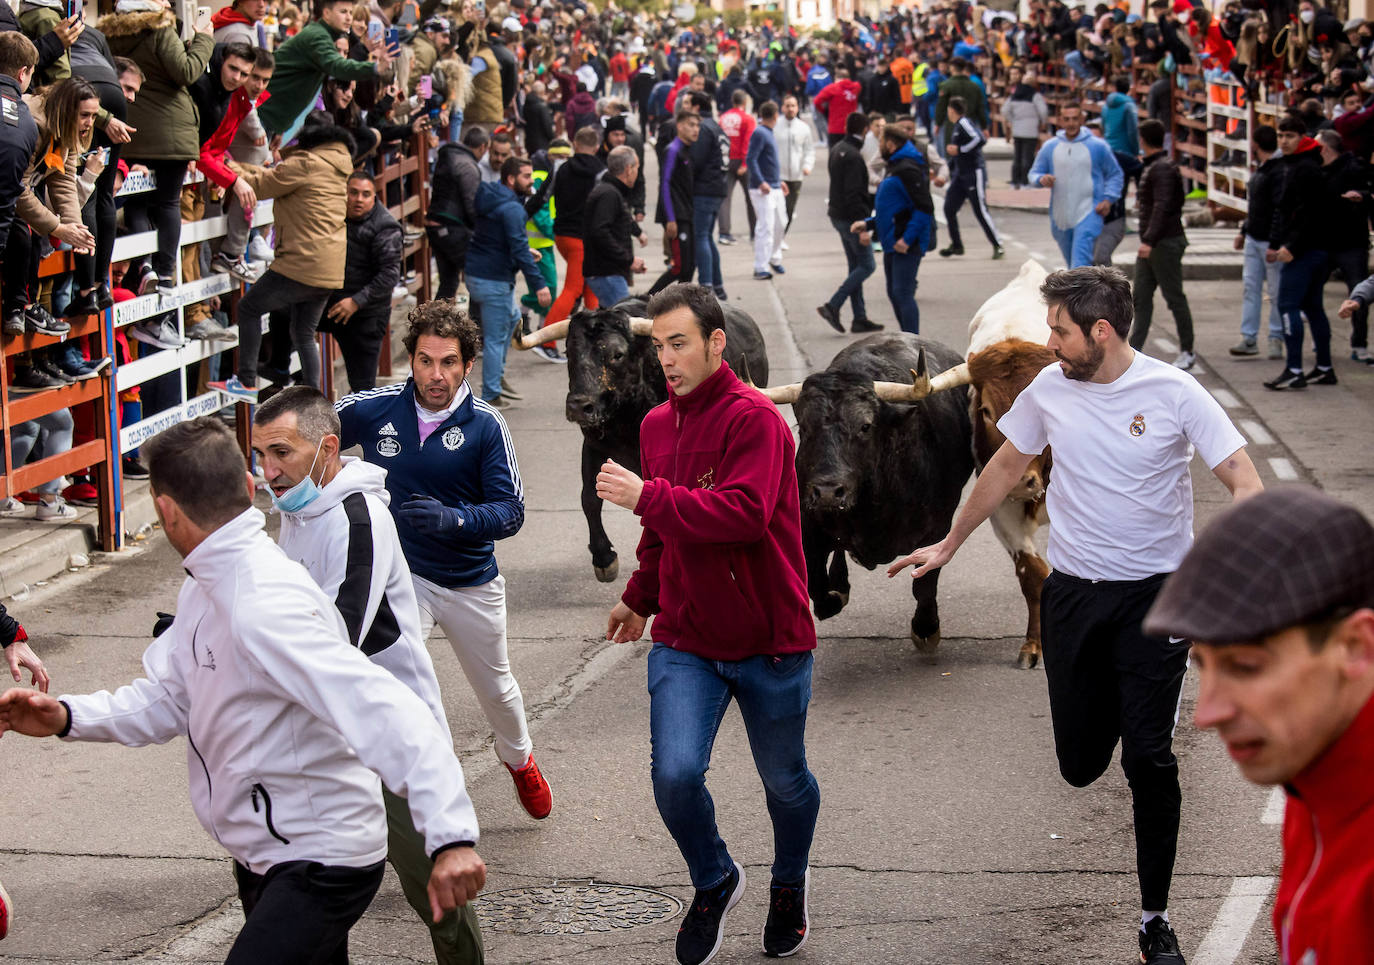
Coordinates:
<point>1017,311</point>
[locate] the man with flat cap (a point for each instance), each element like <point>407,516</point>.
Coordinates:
<point>1277,596</point>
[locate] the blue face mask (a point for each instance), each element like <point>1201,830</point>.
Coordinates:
<point>300,495</point>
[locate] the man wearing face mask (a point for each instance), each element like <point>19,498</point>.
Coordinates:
<point>335,523</point>
<point>455,489</point>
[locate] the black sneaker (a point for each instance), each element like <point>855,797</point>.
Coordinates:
<point>1159,944</point>
<point>42,322</point>
<point>1287,379</point>
<point>951,250</point>
<point>832,317</point>
<point>15,323</point>
<point>82,305</point>
<point>48,367</point>
<point>720,293</point>
<point>1321,377</point>
<point>788,924</point>
<point>28,379</point>
<point>131,468</point>
<point>863,326</point>
<point>700,936</point>
<point>998,252</point>
<point>103,298</point>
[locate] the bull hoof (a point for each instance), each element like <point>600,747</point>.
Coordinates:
<point>608,573</point>
<point>928,644</point>
<point>830,604</point>
<point>1029,657</point>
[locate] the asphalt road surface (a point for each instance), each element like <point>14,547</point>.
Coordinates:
<point>945,835</point>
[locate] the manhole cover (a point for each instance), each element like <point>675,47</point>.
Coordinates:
<point>574,908</point>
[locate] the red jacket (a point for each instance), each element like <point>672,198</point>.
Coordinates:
<point>1324,912</point>
<point>720,561</point>
<point>738,125</point>
<point>620,68</point>
<point>214,151</point>
<point>838,99</point>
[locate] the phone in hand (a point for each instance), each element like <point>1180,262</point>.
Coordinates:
<point>75,9</point>
<point>425,88</point>
<point>375,32</point>
<point>481,8</point>
<point>393,38</point>
<point>202,13</point>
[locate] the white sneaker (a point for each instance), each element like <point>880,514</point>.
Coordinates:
<point>55,511</point>
<point>159,332</point>
<point>13,507</point>
<point>260,250</point>
<point>1185,360</point>
<point>786,246</point>
<point>549,355</point>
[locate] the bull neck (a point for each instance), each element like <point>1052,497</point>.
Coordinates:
<point>711,389</point>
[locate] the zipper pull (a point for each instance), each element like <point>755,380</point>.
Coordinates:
<point>255,800</point>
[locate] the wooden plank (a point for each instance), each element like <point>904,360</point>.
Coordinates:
<point>62,464</point>
<point>25,408</point>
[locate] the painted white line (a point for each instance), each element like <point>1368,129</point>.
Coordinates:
<point>1020,244</point>
<point>1258,434</point>
<point>1039,255</point>
<point>1166,345</point>
<point>1273,808</point>
<point>1225,397</point>
<point>1197,369</point>
<point>1226,938</point>
<point>1283,468</point>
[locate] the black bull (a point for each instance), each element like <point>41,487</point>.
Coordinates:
<point>614,379</point>
<point>878,479</point>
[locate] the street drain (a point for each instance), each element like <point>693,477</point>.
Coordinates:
<point>575,908</point>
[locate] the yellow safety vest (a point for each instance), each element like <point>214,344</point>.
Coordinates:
<point>919,87</point>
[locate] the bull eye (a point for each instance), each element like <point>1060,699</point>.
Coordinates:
<point>864,427</point>
<point>617,356</point>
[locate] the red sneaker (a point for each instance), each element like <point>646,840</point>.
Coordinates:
<point>29,497</point>
<point>532,789</point>
<point>82,494</point>
<point>5,907</point>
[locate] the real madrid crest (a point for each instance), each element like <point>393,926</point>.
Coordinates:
<point>388,446</point>
<point>1138,425</point>
<point>453,439</point>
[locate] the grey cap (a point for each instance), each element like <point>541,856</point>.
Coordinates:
<point>1280,559</point>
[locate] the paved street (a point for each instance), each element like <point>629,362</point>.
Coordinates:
<point>945,836</point>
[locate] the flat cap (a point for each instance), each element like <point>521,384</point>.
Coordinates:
<point>1279,559</point>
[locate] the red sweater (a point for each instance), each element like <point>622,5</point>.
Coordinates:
<point>215,151</point>
<point>838,99</point>
<point>1324,912</point>
<point>720,561</point>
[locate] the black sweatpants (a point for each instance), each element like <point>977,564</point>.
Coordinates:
<point>449,242</point>
<point>969,186</point>
<point>360,342</point>
<point>683,251</point>
<point>299,912</point>
<point>1108,681</point>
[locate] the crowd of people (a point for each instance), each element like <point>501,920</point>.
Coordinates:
<point>535,121</point>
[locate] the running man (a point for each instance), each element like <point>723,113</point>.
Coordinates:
<point>968,179</point>
<point>1123,428</point>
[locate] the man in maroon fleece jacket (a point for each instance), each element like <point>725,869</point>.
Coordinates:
<point>720,565</point>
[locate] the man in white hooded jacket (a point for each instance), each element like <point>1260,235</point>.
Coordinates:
<point>288,727</point>
<point>335,523</point>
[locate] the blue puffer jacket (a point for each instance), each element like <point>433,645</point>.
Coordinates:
<point>500,247</point>
<point>1120,124</point>
<point>902,208</point>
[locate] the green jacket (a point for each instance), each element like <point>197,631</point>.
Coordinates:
<point>303,62</point>
<point>37,20</point>
<point>168,126</point>
<point>426,55</point>
<point>961,86</point>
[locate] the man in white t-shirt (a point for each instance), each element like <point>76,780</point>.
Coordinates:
<point>1123,428</point>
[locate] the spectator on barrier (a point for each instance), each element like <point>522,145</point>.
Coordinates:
<point>164,119</point>
<point>248,146</point>
<point>452,207</point>
<point>428,44</point>
<point>222,102</point>
<point>608,226</point>
<point>55,432</point>
<point>359,313</point>
<point>309,192</point>
<point>303,63</point>
<point>240,21</point>
<point>487,108</point>
<point>51,45</point>
<point>1347,211</point>
<point>500,248</point>
<point>18,60</point>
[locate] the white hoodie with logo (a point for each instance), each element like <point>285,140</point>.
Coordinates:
<point>288,727</point>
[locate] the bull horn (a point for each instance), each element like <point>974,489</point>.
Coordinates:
<point>782,394</point>
<point>922,384</point>
<point>549,333</point>
<point>641,326</point>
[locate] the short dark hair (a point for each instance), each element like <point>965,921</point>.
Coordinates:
<point>363,176</point>
<point>501,137</point>
<point>855,124</point>
<point>685,116</point>
<point>475,138</point>
<point>767,111</point>
<point>1151,132</point>
<point>1291,125</point>
<point>443,318</point>
<point>739,98</point>
<point>1266,139</point>
<point>315,415</point>
<point>699,299</point>
<point>263,59</point>
<point>957,105</point>
<point>959,64</point>
<point>16,53</point>
<point>199,466</point>
<point>239,50</point>
<point>123,65</point>
<point>1122,84</point>
<point>1090,293</point>
<point>588,136</point>
<point>322,5</point>
<point>510,167</point>
<point>895,136</point>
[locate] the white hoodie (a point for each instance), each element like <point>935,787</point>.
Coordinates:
<point>347,540</point>
<point>287,725</point>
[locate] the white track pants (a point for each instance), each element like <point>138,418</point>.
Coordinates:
<point>473,619</point>
<point>770,223</point>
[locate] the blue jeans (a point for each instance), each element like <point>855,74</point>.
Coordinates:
<point>688,697</point>
<point>609,289</point>
<point>1077,243</point>
<point>901,287</point>
<point>1256,276</point>
<point>704,211</point>
<point>859,257</point>
<point>1075,61</point>
<point>494,307</point>
<point>1300,292</point>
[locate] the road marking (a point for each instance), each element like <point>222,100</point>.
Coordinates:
<point>1226,938</point>
<point>1283,468</point>
<point>1039,255</point>
<point>1258,434</point>
<point>1165,344</point>
<point>1225,397</point>
<point>1273,808</point>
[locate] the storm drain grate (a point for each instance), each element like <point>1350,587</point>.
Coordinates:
<point>574,908</point>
